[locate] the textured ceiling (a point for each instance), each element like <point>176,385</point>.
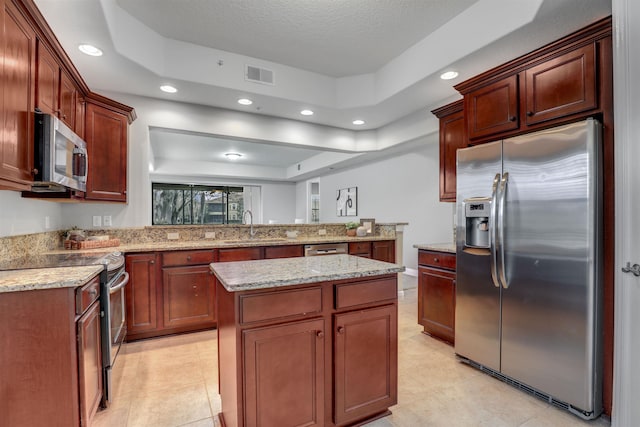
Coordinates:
<point>333,37</point>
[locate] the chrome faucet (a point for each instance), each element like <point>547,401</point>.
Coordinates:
<point>244,214</point>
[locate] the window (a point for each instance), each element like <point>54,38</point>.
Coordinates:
<point>198,204</point>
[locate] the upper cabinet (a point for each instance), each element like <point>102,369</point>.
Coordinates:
<point>493,108</point>
<point>37,73</point>
<point>452,137</point>
<point>18,49</point>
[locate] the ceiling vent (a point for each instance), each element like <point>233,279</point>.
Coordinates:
<point>258,75</point>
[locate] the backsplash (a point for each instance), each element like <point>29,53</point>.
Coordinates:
<point>16,246</point>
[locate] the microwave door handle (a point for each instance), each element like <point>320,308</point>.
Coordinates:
<point>502,268</point>
<point>492,231</point>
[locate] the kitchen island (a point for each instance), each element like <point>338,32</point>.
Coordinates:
<point>306,341</point>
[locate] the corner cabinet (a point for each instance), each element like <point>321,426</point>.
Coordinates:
<point>17,71</point>
<point>106,134</point>
<point>452,137</point>
<point>437,294</point>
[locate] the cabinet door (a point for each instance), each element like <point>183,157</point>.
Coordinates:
<point>17,48</point>
<point>68,98</point>
<point>365,362</point>
<point>141,293</point>
<point>188,295</point>
<point>106,137</point>
<point>492,109</point>
<point>239,254</point>
<point>451,138</point>
<point>437,302</point>
<point>48,81</point>
<point>562,86</point>
<point>361,249</point>
<point>89,363</point>
<point>284,374</point>
<point>384,250</point>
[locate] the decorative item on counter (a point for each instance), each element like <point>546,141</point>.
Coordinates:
<point>351,228</point>
<point>369,224</point>
<point>361,231</point>
<point>347,202</point>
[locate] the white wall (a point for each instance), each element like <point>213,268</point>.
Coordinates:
<point>403,188</point>
<point>26,216</point>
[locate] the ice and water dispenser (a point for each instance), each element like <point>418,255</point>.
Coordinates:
<point>477,211</point>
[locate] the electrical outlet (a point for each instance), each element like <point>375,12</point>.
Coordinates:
<point>322,232</point>
<point>97,221</point>
<point>173,236</point>
<point>47,223</point>
<point>209,234</point>
<point>106,220</point>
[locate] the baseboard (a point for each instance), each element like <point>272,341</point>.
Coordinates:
<point>411,272</point>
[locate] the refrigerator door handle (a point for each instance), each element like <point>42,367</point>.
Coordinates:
<point>492,231</point>
<point>501,266</point>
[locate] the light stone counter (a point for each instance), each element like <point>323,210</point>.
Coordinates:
<point>269,273</point>
<point>46,278</point>
<point>439,247</point>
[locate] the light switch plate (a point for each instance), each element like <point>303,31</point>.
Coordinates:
<point>97,220</point>
<point>173,236</point>
<point>106,220</point>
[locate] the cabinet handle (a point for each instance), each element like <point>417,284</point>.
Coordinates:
<point>93,292</point>
<point>152,262</point>
<point>436,260</point>
<point>529,113</point>
<point>35,171</point>
<point>341,329</point>
<point>189,258</point>
<point>194,286</point>
<point>320,334</point>
<point>512,118</point>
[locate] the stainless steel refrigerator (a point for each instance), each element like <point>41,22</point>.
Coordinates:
<point>529,263</point>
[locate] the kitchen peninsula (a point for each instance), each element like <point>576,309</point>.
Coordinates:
<point>278,362</point>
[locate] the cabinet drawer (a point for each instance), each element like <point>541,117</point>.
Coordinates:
<point>360,248</point>
<point>437,259</point>
<point>365,292</point>
<point>289,251</point>
<point>279,305</point>
<point>87,294</point>
<point>239,254</point>
<point>187,258</point>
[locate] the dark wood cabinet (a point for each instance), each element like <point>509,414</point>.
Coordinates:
<point>89,363</point>
<point>362,249</point>
<point>452,137</point>
<point>57,94</point>
<point>51,365</point>
<point>365,354</point>
<point>561,86</point>
<point>437,294</point>
<point>284,368</point>
<point>17,71</point>
<point>188,296</point>
<point>288,251</point>
<point>492,109</point>
<point>141,293</point>
<point>384,250</point>
<point>240,254</point>
<point>106,134</point>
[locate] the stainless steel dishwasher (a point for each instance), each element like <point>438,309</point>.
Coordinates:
<point>326,249</point>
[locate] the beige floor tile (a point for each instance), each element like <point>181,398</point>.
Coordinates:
<point>170,409</point>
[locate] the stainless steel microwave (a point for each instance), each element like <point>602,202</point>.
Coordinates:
<point>60,156</point>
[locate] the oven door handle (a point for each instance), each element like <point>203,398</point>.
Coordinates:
<point>124,279</point>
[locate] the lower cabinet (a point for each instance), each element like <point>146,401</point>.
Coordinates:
<point>50,356</point>
<point>169,293</point>
<point>279,365</point>
<point>437,294</point>
<point>380,250</point>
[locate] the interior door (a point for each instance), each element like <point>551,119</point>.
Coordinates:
<point>552,228</point>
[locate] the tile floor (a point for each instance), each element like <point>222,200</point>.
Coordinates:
<point>171,382</point>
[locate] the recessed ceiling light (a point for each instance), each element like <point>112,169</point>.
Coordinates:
<point>449,75</point>
<point>168,89</point>
<point>245,101</point>
<point>90,50</point>
<point>358,122</point>
<point>232,156</point>
<point>306,112</point>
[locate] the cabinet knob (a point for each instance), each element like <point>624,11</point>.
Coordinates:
<point>189,258</point>
<point>529,113</point>
<point>341,329</point>
<point>152,262</point>
<point>35,171</point>
<point>512,118</point>
<point>436,260</point>
<point>320,334</point>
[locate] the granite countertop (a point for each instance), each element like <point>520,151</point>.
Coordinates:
<point>439,247</point>
<point>47,278</point>
<point>170,245</point>
<point>270,273</point>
